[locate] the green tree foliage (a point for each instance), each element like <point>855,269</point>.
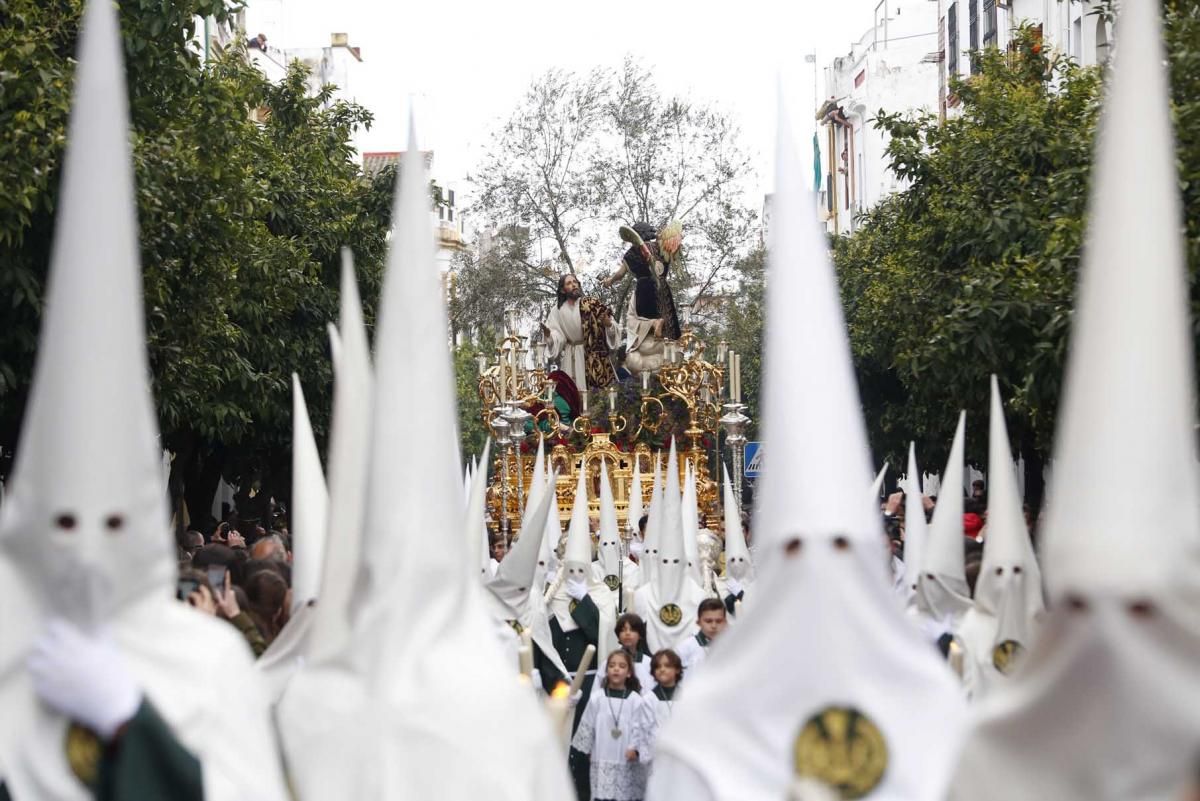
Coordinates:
<point>582,154</point>
<point>1183,51</point>
<point>971,270</point>
<point>744,330</point>
<point>241,224</point>
<point>471,432</point>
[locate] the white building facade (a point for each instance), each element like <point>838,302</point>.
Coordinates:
<point>904,63</point>
<point>891,68</point>
<point>1074,28</point>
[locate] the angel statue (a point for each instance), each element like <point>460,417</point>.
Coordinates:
<point>650,318</point>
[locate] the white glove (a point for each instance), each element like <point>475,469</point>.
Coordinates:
<point>574,698</point>
<point>83,677</point>
<point>576,588</point>
<point>735,586</point>
<point>636,547</point>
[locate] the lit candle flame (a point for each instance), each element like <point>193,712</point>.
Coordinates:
<point>561,690</point>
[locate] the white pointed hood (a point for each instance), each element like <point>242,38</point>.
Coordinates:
<point>88,470</point>
<point>349,443</point>
<point>331,684</point>
<point>1010,584</point>
<point>672,568</point>
<point>83,531</point>
<point>998,630</point>
<point>438,680</point>
<point>476,515</point>
<point>636,510</point>
<point>610,533</point>
<point>309,510</point>
<point>737,556</point>
<point>577,565</point>
<point>310,504</point>
<point>943,595</point>
<point>877,487</point>
<point>335,342</point>
<point>578,555</point>
<point>914,527</point>
<point>691,525</point>
<point>825,581</point>
<point>514,586</point>
<point>514,579</point>
<point>547,562</point>
<point>1113,674</point>
<point>668,600</point>
<point>654,523</point>
<point>537,483</point>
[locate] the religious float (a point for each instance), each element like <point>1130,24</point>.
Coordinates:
<point>696,400</point>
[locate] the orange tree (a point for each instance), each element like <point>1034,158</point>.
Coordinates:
<point>970,271</point>
<point>240,226</point>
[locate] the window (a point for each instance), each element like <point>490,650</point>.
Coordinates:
<point>952,40</point>
<point>989,23</point>
<point>1077,39</point>
<point>973,23</point>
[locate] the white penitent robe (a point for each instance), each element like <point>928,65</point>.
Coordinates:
<point>566,341</point>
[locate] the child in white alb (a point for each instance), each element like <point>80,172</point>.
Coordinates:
<point>615,731</point>
<point>668,670</point>
<point>631,633</point>
<point>711,619</point>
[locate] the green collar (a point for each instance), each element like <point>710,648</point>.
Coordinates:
<point>700,638</point>
<point>665,693</point>
<point>613,693</point>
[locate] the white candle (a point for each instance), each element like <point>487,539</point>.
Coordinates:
<point>646,383</point>
<point>559,711</point>
<point>503,380</point>
<point>584,663</point>
<point>512,364</point>
<point>729,374</point>
<point>612,399</point>
<point>525,659</point>
<point>737,365</point>
<point>583,399</point>
<point>737,378</point>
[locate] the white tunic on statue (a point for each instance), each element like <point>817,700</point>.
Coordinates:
<point>566,341</point>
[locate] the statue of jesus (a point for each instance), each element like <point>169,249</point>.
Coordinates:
<point>580,333</point>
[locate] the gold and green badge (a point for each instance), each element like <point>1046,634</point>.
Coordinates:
<point>1005,656</point>
<point>843,749</point>
<point>84,749</point>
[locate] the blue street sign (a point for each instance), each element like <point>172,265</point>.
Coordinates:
<point>753,459</point>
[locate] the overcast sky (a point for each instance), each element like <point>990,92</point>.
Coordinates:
<point>464,65</point>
